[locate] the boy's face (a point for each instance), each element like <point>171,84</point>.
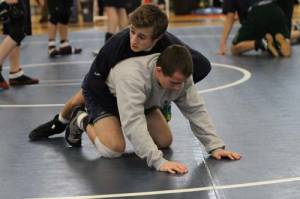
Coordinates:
<point>173,82</point>
<point>141,39</point>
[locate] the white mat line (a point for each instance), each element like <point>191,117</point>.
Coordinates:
<point>163,192</point>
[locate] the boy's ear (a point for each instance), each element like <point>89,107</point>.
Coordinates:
<point>158,69</point>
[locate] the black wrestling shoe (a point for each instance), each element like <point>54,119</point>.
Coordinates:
<point>49,128</point>
<point>68,50</point>
<point>23,80</point>
<point>52,51</point>
<point>73,132</point>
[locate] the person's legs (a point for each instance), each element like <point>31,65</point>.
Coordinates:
<point>14,58</point>
<point>102,127</point>
<point>108,131</point>
<point>75,100</point>
<point>63,31</point>
<point>112,21</point>
<point>59,122</point>
<point>284,45</point>
<point>64,12</point>
<point>123,18</point>
<point>257,32</point>
<point>52,28</point>
<point>65,47</point>
<point>242,47</point>
<point>6,46</point>
<point>16,74</point>
<point>267,43</point>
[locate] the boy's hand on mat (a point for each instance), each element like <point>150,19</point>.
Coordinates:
<point>173,167</point>
<point>222,49</point>
<point>221,153</point>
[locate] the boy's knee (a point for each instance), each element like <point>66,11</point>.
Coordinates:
<point>114,152</point>
<point>165,142</point>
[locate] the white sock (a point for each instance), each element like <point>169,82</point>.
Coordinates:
<point>16,75</point>
<point>80,119</point>
<point>65,44</point>
<point>51,43</point>
<point>62,119</point>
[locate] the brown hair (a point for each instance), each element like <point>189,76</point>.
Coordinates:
<point>149,15</point>
<point>176,58</point>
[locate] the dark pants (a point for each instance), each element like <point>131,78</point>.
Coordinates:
<point>263,19</point>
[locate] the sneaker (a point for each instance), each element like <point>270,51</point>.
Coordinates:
<point>23,80</point>
<point>4,85</point>
<point>52,51</point>
<point>73,132</point>
<point>68,50</point>
<point>284,45</point>
<point>270,47</point>
<point>49,128</point>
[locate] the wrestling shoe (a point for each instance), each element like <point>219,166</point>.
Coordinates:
<point>52,51</point>
<point>73,132</point>
<point>68,50</point>
<point>3,84</point>
<point>22,80</point>
<point>47,129</point>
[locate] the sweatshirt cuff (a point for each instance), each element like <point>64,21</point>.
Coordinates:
<point>158,163</point>
<point>215,147</point>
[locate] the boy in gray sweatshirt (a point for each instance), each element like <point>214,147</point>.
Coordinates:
<point>139,88</point>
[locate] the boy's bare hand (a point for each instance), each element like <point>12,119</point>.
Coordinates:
<point>221,153</point>
<point>173,167</point>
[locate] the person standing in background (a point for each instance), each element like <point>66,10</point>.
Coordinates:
<point>16,24</point>
<point>117,18</point>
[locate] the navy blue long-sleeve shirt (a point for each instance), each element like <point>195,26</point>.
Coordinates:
<point>118,48</point>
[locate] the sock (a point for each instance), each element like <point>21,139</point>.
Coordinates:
<point>51,43</point>
<point>260,44</point>
<point>16,75</point>
<point>64,43</point>
<point>82,121</point>
<point>62,119</point>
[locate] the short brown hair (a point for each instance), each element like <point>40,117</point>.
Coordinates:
<point>149,15</point>
<point>176,58</point>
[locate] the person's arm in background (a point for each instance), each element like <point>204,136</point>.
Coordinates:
<point>230,18</point>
